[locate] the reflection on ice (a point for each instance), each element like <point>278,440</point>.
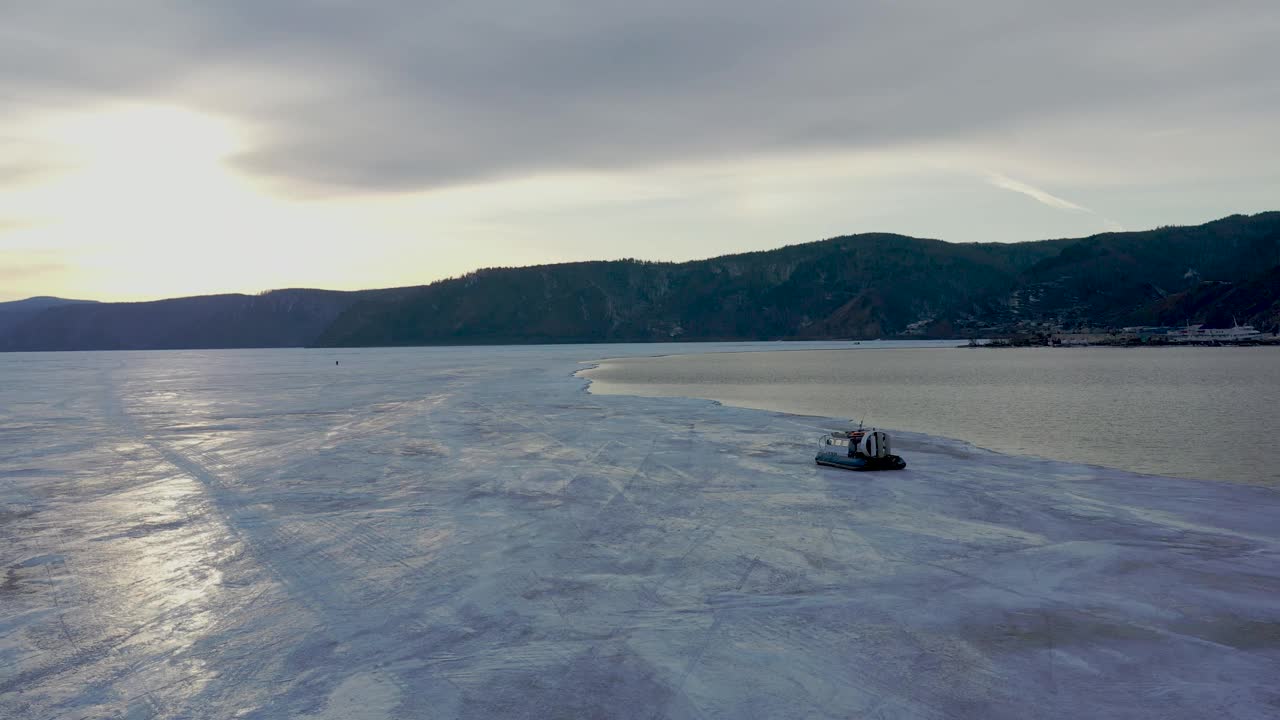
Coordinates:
<point>464,533</point>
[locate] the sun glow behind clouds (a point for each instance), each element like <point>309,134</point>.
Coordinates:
<point>148,137</point>
<point>142,201</point>
<point>145,201</point>
<point>130,168</point>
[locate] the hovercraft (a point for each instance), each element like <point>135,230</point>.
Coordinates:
<point>857,450</point>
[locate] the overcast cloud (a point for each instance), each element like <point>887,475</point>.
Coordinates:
<point>448,136</point>
<point>414,94</point>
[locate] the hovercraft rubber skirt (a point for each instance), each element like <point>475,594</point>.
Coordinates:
<point>844,462</point>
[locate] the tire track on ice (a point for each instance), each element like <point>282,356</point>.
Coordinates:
<point>254,529</point>
<point>260,535</point>
<point>89,637</point>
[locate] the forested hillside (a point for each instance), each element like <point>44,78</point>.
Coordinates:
<point>857,286</point>
<point>281,318</point>
<point>860,286</point>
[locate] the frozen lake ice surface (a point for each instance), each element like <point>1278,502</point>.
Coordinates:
<point>467,533</point>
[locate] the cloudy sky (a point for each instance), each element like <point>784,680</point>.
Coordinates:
<point>159,148</point>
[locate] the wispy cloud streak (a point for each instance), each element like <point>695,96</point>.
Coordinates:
<point>1047,198</point>
<point>1031,191</point>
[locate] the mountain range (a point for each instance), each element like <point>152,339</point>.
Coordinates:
<point>856,286</point>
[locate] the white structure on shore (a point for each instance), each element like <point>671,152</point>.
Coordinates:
<point>1200,333</point>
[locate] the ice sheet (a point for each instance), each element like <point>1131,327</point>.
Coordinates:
<point>465,532</point>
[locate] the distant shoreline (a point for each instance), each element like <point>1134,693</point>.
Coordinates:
<point>1129,345</point>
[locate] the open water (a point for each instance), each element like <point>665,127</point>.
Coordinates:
<point>1209,413</point>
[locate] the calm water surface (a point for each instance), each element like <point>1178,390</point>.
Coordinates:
<point>1187,412</point>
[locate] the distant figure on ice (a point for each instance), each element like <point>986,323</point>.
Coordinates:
<point>335,362</point>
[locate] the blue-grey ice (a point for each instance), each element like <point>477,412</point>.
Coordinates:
<point>466,532</point>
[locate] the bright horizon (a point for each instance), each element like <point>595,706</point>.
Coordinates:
<point>252,291</point>
<point>235,149</point>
